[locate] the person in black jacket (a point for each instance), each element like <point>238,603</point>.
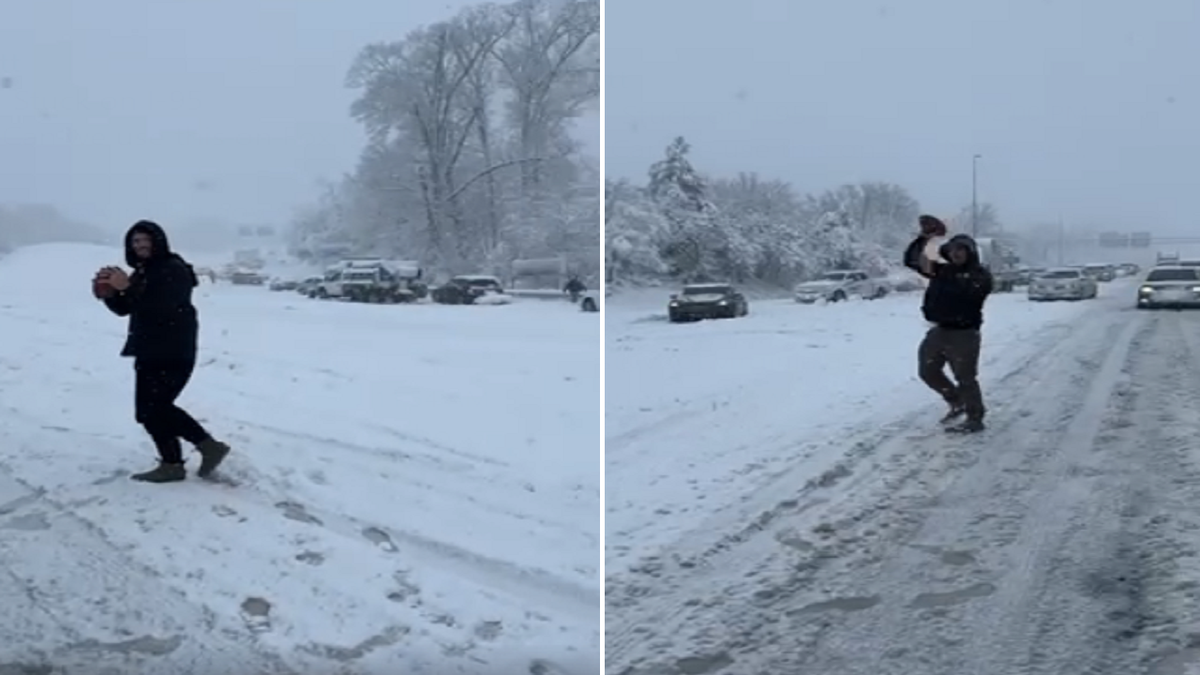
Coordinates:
<point>958,287</point>
<point>575,288</point>
<point>162,341</point>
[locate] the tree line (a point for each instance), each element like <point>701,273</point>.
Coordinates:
<point>687,227</point>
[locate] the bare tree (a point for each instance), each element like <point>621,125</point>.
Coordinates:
<point>551,66</point>
<point>421,86</point>
<point>483,24</point>
<point>470,161</point>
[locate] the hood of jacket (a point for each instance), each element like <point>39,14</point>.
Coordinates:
<point>160,247</point>
<point>966,242</point>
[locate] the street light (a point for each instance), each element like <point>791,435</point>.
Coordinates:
<point>975,195</point>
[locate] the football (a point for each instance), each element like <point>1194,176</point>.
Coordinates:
<point>102,289</point>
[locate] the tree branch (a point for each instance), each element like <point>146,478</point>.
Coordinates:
<point>490,170</point>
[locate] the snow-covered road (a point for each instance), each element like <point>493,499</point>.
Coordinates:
<point>800,513</point>
<point>416,489</point>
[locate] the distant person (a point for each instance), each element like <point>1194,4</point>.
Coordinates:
<point>575,288</point>
<point>162,339</point>
<point>958,287</point>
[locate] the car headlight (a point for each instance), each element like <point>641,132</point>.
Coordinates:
<point>1145,290</point>
<point>723,302</point>
<point>674,303</point>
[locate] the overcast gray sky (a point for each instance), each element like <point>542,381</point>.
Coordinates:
<point>1088,113</point>
<point>119,107</point>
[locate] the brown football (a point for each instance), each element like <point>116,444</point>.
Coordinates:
<point>102,289</point>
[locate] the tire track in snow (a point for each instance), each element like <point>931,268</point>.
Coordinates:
<point>538,590</point>
<point>747,617</point>
<point>1164,540</point>
<point>793,458</point>
<point>793,491</point>
<point>1026,530</point>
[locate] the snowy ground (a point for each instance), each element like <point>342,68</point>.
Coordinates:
<point>416,487</point>
<point>780,501</point>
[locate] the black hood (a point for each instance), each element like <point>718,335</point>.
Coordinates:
<point>160,250</point>
<point>961,240</point>
<point>162,247</point>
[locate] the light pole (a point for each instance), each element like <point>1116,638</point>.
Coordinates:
<point>975,195</point>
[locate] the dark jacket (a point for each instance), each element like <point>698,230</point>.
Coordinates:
<point>163,323</point>
<point>956,293</point>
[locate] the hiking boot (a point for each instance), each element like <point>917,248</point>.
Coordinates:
<point>212,453</point>
<point>967,427</point>
<point>955,412</point>
<point>163,473</point>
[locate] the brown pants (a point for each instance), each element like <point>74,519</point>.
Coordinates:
<point>959,349</point>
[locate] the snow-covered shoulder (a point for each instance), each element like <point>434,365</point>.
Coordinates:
<point>411,486</point>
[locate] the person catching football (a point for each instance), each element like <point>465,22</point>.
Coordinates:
<point>163,341</point>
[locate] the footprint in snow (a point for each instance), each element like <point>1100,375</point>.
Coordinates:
<point>843,604</point>
<point>380,538</point>
<point>488,630</point>
<point>256,613</point>
<point>311,558</point>
<point>29,522</point>
<point>405,589</point>
<point>955,597</point>
<point>297,512</point>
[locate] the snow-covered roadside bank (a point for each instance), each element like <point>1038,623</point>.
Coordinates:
<point>701,417</point>
<point>1063,539</point>
<point>414,486</point>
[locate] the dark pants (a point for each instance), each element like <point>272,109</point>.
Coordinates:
<point>157,386</point>
<point>959,349</point>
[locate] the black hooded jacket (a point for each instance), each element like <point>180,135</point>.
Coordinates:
<point>956,293</point>
<point>163,323</point>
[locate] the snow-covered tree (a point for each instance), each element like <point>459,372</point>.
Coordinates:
<point>635,231</point>
<point>698,246</point>
<point>747,227</point>
<point>469,163</point>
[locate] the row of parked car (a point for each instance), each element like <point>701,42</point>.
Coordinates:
<point>1171,283</point>
<point>723,300</point>
<point>360,281</point>
<point>1074,282</point>
<point>378,286</point>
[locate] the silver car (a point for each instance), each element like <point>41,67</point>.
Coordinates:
<point>1063,283</point>
<point>1175,286</point>
<point>841,285</point>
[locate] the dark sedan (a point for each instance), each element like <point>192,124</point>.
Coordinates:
<point>707,301</point>
<point>466,289</point>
